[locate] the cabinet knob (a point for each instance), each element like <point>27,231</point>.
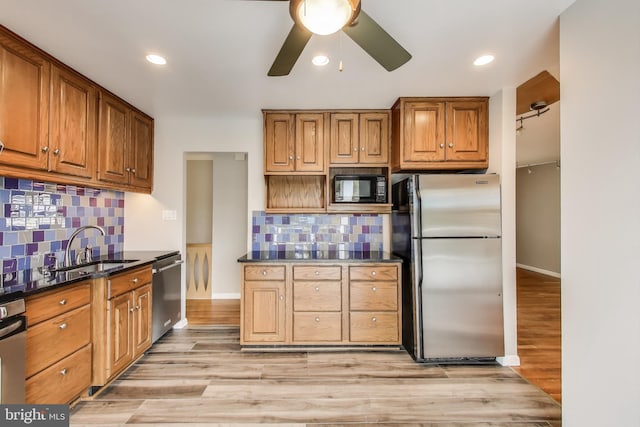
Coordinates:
<point>355,149</point>
<point>134,280</point>
<point>56,151</point>
<point>451,145</point>
<point>264,272</point>
<point>290,157</point>
<point>317,273</point>
<point>127,169</point>
<point>373,273</point>
<point>63,371</point>
<point>132,309</point>
<point>281,297</point>
<point>137,307</point>
<point>317,289</point>
<point>441,145</point>
<point>317,319</point>
<point>297,157</point>
<point>374,289</point>
<point>373,319</point>
<point>63,326</point>
<point>45,149</point>
<point>63,302</point>
<point>362,149</point>
<point>133,170</point>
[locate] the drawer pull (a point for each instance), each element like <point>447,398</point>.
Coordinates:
<point>374,289</point>
<point>317,289</point>
<point>373,319</point>
<point>373,273</point>
<point>63,302</point>
<point>317,273</point>
<point>63,326</point>
<point>63,371</point>
<point>135,280</point>
<point>264,272</point>
<point>317,319</point>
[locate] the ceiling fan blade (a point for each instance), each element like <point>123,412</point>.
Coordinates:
<point>290,51</point>
<point>377,42</point>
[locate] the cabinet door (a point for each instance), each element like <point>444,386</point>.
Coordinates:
<point>142,321</point>
<point>344,138</point>
<point>120,327</point>
<point>309,142</point>
<point>113,138</point>
<point>467,131</point>
<point>24,104</point>
<point>424,132</point>
<point>72,147</point>
<point>374,138</point>
<point>278,142</point>
<point>141,151</point>
<point>263,312</point>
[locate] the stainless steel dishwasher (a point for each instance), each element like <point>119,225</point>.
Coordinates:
<point>167,275</point>
<point>13,336</point>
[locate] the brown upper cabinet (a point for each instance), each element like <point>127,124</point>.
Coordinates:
<point>294,142</point>
<point>359,138</point>
<point>439,133</point>
<point>24,104</point>
<point>51,123</point>
<point>125,140</point>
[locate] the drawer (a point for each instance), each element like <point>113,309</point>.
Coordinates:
<point>371,296</point>
<point>374,272</point>
<point>50,304</point>
<point>125,282</point>
<point>317,296</point>
<point>264,272</point>
<point>321,326</point>
<point>62,382</point>
<point>374,327</point>
<point>55,339</point>
<point>317,272</point>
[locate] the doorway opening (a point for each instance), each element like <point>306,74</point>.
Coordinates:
<point>216,235</point>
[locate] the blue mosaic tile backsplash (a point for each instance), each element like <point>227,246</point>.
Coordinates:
<point>279,233</point>
<point>38,218</point>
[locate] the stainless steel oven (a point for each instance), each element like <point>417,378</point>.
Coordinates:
<point>13,336</point>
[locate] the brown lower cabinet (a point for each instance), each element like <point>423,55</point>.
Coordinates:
<point>121,322</point>
<point>300,304</point>
<point>58,363</point>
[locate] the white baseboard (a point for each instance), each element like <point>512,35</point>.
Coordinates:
<point>225,296</point>
<point>509,360</point>
<point>181,324</point>
<point>539,270</point>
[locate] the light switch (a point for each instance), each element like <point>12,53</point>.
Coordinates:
<point>168,215</point>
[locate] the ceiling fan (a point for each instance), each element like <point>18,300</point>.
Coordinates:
<point>312,17</point>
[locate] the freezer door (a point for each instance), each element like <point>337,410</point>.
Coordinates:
<point>462,298</point>
<point>459,205</point>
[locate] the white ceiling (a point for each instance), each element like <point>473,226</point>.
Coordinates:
<point>219,51</point>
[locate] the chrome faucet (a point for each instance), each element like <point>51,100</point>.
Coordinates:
<point>67,252</point>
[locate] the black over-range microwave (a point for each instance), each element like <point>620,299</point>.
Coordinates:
<point>360,189</point>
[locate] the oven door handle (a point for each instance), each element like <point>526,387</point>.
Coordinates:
<point>12,328</point>
<point>165,268</point>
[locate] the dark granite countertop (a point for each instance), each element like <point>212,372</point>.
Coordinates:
<point>33,281</point>
<point>318,256</point>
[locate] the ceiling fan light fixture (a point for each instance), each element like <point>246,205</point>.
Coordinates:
<point>320,60</point>
<point>323,17</point>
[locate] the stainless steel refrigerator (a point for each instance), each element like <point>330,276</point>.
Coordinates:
<point>446,227</point>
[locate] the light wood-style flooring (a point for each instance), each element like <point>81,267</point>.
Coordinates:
<point>213,312</point>
<point>199,377</point>
<point>539,332</point>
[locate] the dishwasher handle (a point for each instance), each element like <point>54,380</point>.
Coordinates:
<point>13,327</point>
<point>167,267</point>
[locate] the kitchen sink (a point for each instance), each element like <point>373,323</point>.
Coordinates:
<point>95,266</point>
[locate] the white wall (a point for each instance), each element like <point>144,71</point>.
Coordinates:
<point>600,151</point>
<point>144,227</point>
<point>502,160</point>
<point>229,223</point>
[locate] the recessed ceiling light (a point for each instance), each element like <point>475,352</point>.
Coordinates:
<point>156,59</point>
<point>320,60</point>
<point>483,60</point>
